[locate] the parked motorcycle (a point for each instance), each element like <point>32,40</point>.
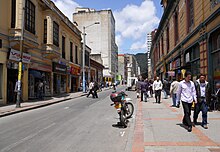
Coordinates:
<point>124,107</point>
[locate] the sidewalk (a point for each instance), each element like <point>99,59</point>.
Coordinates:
<point>158,128</point>
<point>33,104</point>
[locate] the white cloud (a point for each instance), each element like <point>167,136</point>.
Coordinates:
<point>134,22</point>
<point>67,7</point>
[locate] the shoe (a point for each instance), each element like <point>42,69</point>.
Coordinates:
<point>195,122</point>
<point>178,106</point>
<point>173,106</point>
<point>205,126</point>
<point>189,129</point>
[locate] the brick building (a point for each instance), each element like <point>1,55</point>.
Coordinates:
<point>188,38</point>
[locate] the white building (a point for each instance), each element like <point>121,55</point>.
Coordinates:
<point>100,37</point>
<point>149,43</point>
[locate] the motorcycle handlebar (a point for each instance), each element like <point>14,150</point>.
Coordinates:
<point>112,104</point>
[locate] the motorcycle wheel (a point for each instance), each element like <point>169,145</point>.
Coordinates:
<point>129,109</point>
<point>123,119</point>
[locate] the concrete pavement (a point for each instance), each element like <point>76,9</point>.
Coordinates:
<point>158,128</point>
<point>33,104</point>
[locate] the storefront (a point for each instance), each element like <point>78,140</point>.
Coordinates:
<point>39,73</point>
<point>192,61</point>
<point>74,76</point>
<point>59,78</point>
<point>1,80</point>
<point>214,57</point>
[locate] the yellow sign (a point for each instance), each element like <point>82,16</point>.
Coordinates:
<point>183,71</point>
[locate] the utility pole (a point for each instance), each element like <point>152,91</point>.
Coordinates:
<point>19,86</point>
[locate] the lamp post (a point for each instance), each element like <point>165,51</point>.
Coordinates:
<point>84,49</point>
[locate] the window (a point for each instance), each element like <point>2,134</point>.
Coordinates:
<point>76,54</point>
<point>30,16</point>
<point>176,28</point>
<point>45,30</point>
<point>55,34</point>
<point>63,47</point>
<point>190,14</point>
<point>13,13</point>
<point>168,39</point>
<point>71,51</point>
<point>0,43</point>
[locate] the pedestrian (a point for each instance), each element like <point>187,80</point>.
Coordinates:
<point>145,88</point>
<point>216,96</point>
<point>138,87</point>
<point>173,91</point>
<point>186,93</point>
<point>151,87</point>
<point>165,88</point>
<point>157,87</point>
<point>40,90</point>
<point>91,87</point>
<point>203,92</point>
<point>95,88</point>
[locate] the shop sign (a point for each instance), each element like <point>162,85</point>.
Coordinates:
<point>59,68</point>
<point>187,59</point>
<point>171,73</point>
<point>75,70</point>
<point>16,56</point>
<point>40,67</point>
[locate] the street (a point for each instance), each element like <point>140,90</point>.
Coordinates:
<point>88,125</point>
<point>79,125</point>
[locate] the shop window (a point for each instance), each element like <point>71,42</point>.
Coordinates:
<point>76,54</point>
<point>55,34</point>
<point>30,16</point>
<point>71,51</point>
<point>190,14</point>
<point>13,13</point>
<point>45,31</point>
<point>63,47</point>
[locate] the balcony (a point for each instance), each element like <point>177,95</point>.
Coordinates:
<point>51,51</point>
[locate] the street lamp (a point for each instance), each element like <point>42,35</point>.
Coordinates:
<point>84,48</point>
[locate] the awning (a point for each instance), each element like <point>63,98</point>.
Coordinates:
<point>36,74</point>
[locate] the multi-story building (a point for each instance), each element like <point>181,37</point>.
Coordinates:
<point>188,38</point>
<point>132,64</point>
<point>100,38</point>
<point>122,68</point>
<point>51,46</point>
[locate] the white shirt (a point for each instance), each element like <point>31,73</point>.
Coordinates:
<point>157,85</point>
<point>174,87</point>
<point>186,92</point>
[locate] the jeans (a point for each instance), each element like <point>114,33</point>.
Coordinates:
<point>202,106</point>
<point>174,99</point>
<point>187,113</point>
<point>157,95</point>
<point>165,94</point>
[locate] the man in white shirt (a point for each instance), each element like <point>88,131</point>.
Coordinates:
<point>173,91</point>
<point>157,87</point>
<point>187,94</point>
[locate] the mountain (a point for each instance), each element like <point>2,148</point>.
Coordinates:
<point>142,61</point>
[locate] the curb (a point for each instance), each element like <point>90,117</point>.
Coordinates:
<point>38,106</point>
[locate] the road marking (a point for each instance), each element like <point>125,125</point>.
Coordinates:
<point>26,138</point>
<point>122,133</point>
<point>66,107</point>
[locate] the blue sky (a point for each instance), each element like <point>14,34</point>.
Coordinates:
<point>134,19</point>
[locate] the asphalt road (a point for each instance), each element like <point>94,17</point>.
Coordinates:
<point>78,125</point>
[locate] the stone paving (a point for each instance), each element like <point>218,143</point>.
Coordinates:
<point>159,128</point>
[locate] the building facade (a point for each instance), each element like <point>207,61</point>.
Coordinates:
<point>51,49</point>
<point>122,68</point>
<point>188,38</point>
<point>132,65</point>
<point>100,38</point>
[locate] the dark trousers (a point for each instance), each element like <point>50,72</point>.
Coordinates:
<point>157,95</point>
<point>95,94</point>
<point>187,113</point>
<point>202,106</point>
<point>90,92</point>
<point>142,95</point>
